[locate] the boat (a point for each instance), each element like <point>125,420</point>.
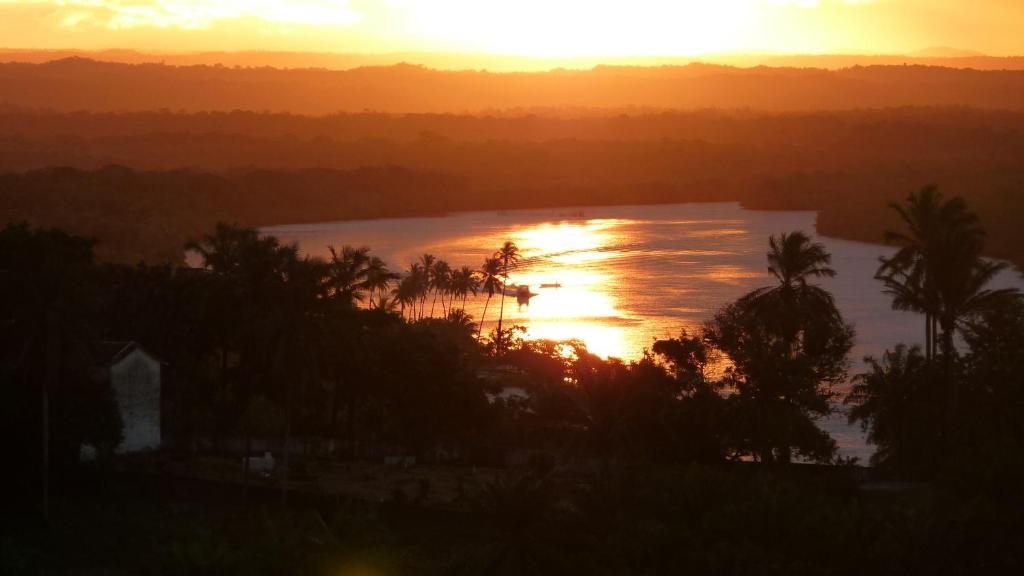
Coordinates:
<point>521,293</point>
<point>551,285</point>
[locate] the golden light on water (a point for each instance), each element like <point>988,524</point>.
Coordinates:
<point>573,284</point>
<point>583,274</point>
<point>616,280</point>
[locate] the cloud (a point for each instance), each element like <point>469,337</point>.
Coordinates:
<point>525,27</point>
<point>193,14</point>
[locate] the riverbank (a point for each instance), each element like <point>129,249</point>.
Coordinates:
<point>148,216</point>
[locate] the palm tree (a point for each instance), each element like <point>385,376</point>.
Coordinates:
<point>939,271</point>
<point>349,274</point>
<point>909,275</point>
<point>378,278</point>
<point>793,259</point>
<point>508,255</point>
<point>457,286</point>
<point>249,271</point>
<point>788,345</point>
<point>466,281</point>
<point>960,282</point>
<point>440,281</point>
<point>417,278</point>
<point>301,290</point>
<point>427,263</point>
<point>387,303</point>
<point>406,293</point>
<point>490,281</point>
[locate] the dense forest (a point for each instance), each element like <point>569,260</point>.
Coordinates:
<point>82,84</point>
<point>149,215</point>
<point>254,168</point>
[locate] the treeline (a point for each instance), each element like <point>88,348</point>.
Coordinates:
<point>507,62</point>
<point>78,83</point>
<point>913,126</point>
<point>149,215</point>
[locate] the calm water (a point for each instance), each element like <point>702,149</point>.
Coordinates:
<point>631,274</point>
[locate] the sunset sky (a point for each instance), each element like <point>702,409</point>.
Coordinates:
<point>546,28</point>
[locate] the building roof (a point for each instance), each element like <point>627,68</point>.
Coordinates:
<point>110,352</point>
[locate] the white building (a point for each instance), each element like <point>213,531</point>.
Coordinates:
<point>134,377</point>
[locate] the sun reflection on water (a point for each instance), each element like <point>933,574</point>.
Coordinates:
<point>564,264</point>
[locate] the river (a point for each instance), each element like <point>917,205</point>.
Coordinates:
<point>619,277</point>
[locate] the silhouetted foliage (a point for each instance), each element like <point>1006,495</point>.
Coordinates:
<point>902,415</point>
<point>920,411</point>
<point>49,312</point>
<point>631,466</point>
<point>787,346</point>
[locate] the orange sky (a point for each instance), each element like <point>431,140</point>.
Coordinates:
<point>546,28</point>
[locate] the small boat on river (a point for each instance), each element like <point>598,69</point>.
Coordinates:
<point>522,294</point>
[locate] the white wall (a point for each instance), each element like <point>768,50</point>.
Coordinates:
<point>136,384</point>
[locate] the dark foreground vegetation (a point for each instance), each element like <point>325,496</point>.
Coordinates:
<point>189,171</point>
<point>696,458</point>
<point>619,519</point>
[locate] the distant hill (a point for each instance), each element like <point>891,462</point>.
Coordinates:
<point>946,52</point>
<point>938,56</point>
<point>84,84</point>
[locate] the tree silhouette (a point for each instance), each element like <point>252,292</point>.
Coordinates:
<point>793,259</point>
<point>352,272</point>
<point>251,274</point>
<point>48,309</point>
<point>932,223</point>
<point>467,281</point>
<point>788,346</point>
<point>892,403</point>
<point>964,297</point>
<point>378,279</point>
<point>509,256</point>
<point>490,282</point>
<point>427,283</point>
<point>406,293</point>
<point>939,271</point>
<point>297,328</point>
<point>440,281</point>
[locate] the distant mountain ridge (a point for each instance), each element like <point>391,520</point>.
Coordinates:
<point>933,56</point>
<point>946,52</point>
<point>77,83</point>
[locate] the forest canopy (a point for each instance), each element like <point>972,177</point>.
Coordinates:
<point>261,169</point>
